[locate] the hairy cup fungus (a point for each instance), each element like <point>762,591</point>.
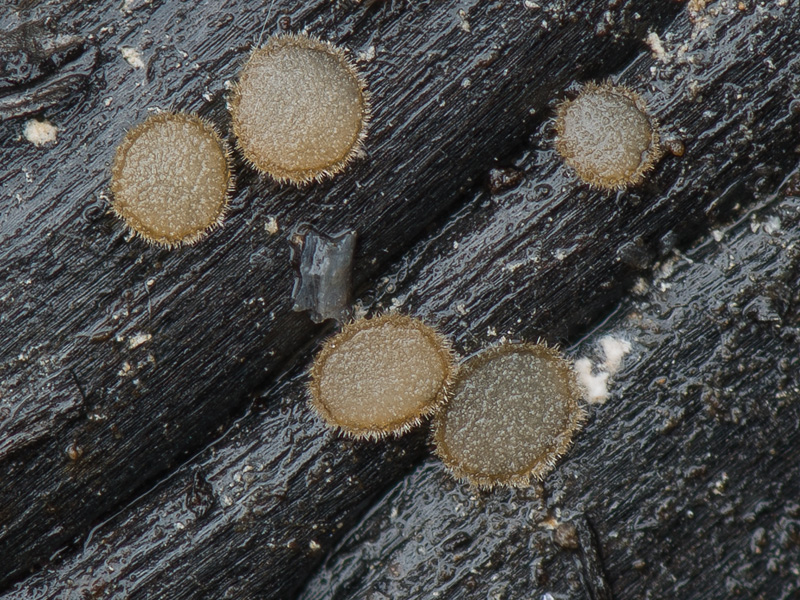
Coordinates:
<point>512,413</point>
<point>300,109</point>
<point>171,179</point>
<point>380,376</point>
<point>607,136</point>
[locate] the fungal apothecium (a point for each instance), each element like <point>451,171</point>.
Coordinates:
<point>607,136</point>
<point>171,178</point>
<point>300,109</point>
<point>512,413</point>
<point>381,376</point>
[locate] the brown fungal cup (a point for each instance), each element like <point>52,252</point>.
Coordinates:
<point>512,413</point>
<point>381,376</point>
<point>171,179</point>
<point>300,109</point>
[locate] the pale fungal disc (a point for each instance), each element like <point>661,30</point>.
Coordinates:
<point>381,376</point>
<point>607,136</point>
<point>512,413</point>
<point>299,110</point>
<point>171,179</point>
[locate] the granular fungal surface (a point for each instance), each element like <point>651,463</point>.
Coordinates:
<point>171,178</point>
<point>607,136</point>
<point>299,109</point>
<point>381,376</point>
<point>512,414</point>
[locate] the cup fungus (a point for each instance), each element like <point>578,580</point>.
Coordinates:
<point>607,136</point>
<point>171,179</point>
<point>300,109</point>
<point>380,376</point>
<point>512,413</point>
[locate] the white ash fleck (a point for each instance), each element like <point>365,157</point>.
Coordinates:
<point>641,287</point>
<point>462,15</point>
<point>138,339</point>
<point>271,226</point>
<point>514,265</point>
<point>772,225</point>
<point>657,47</point>
<point>367,55</point>
<point>40,133</point>
<point>125,370</point>
<point>717,235</point>
<point>595,378</point>
<point>595,386</point>
<point>615,350</point>
<point>132,56</point>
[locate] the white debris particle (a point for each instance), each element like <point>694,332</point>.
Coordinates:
<point>40,133</point>
<point>139,339</point>
<point>717,235</point>
<point>773,225</point>
<point>132,56</point>
<point>367,55</point>
<point>513,266</point>
<point>615,350</point>
<point>532,5</point>
<point>595,386</point>
<point>314,546</point>
<point>657,47</point>
<point>125,370</point>
<point>462,15</point>
<point>641,287</point>
<point>271,225</point>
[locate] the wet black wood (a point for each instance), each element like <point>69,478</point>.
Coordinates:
<point>128,358</point>
<point>683,484</point>
<point>254,513</point>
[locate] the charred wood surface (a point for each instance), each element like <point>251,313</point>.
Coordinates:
<point>254,513</point>
<point>79,298</point>
<point>684,483</point>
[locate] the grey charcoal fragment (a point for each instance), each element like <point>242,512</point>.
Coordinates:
<point>323,267</point>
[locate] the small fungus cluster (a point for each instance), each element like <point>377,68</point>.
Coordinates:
<point>506,416</point>
<point>299,111</point>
